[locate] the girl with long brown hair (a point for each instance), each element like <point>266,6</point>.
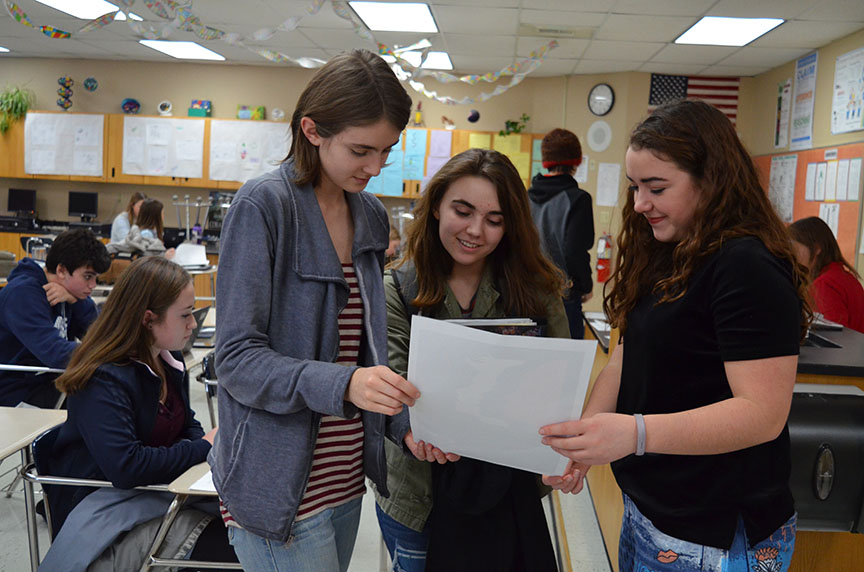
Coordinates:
<point>836,289</point>
<point>691,409</point>
<point>130,421</point>
<point>124,221</point>
<point>471,251</point>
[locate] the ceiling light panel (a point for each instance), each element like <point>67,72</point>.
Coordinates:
<point>717,31</point>
<point>182,50</point>
<point>396,17</point>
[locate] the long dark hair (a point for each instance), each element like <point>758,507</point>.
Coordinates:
<point>701,141</point>
<point>150,216</point>
<point>521,270</point>
<point>351,90</point>
<point>118,334</point>
<point>130,208</point>
<point>816,235</point>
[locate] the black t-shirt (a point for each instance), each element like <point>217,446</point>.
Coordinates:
<point>740,304</point>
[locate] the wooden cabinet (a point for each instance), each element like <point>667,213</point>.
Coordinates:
<point>12,152</point>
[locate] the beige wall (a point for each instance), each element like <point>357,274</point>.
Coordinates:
<point>550,102</point>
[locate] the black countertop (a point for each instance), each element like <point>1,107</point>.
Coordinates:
<point>846,360</point>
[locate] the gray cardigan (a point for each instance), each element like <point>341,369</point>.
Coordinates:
<point>280,290</point>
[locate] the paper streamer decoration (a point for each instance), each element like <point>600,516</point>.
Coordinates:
<point>159,9</point>
<point>99,22</point>
<point>18,14</point>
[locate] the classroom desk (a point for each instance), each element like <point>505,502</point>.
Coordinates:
<point>181,487</point>
<point>19,426</point>
<point>208,271</point>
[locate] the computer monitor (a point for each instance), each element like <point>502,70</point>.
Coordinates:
<point>22,202</point>
<point>83,205</point>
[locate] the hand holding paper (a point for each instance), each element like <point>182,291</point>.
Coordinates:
<point>380,389</point>
<point>426,452</point>
<point>597,440</point>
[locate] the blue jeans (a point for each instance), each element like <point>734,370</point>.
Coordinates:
<point>573,309</point>
<point>406,546</point>
<point>643,548</point>
<point>320,543</point>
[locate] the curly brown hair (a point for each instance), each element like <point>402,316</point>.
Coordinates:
<point>700,140</point>
<point>521,271</point>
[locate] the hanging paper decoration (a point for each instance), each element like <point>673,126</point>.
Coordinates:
<point>53,32</point>
<point>18,14</point>
<point>159,9</point>
<point>343,11</point>
<point>90,84</point>
<point>99,22</point>
<point>65,92</point>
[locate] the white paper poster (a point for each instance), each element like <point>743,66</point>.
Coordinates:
<point>854,185</point>
<point>847,105</point>
<point>821,173</point>
<point>581,174</point>
<point>608,180</point>
<point>810,183</point>
<point>781,187</point>
<point>843,179</point>
<point>163,146</point>
<point>490,394</point>
<point>802,103</point>
<point>242,150</point>
<point>830,213</point>
<point>63,144</point>
<point>831,181</point>
<point>784,101</point>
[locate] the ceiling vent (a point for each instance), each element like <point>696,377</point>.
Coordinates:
<point>546,31</point>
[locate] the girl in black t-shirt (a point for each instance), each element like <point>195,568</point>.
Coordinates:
<point>711,306</point>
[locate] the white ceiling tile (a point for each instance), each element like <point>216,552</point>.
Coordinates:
<point>663,7</point>
<point>660,29</point>
<point>481,21</point>
<point>565,19</point>
<point>405,38</point>
<point>481,64</point>
<point>570,5</point>
<point>763,57</point>
<point>682,54</point>
<point>805,34</point>
<point>328,38</point>
<point>734,71</point>
<point>586,66</point>
<point>837,10</point>
<point>485,3</point>
<point>470,44</point>
<point>551,68</point>
<point>567,49</point>
<point>785,9</point>
<point>672,69</point>
<point>621,51</point>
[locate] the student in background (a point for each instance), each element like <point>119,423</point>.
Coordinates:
<point>471,252</point>
<point>836,288</point>
<point>564,218</point>
<point>145,236</point>
<point>130,422</point>
<point>304,400</point>
<point>394,245</point>
<point>711,307</point>
<point>44,310</point>
<point>123,222</point>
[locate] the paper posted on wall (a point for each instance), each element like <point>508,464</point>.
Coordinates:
<point>486,395</point>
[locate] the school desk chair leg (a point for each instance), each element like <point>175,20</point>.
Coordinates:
<point>167,521</point>
<point>30,512</point>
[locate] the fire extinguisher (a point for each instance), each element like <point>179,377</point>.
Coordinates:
<point>604,257</point>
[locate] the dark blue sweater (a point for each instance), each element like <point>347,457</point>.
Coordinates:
<point>32,332</point>
<point>109,422</point>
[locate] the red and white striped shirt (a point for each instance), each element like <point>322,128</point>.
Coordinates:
<point>336,476</point>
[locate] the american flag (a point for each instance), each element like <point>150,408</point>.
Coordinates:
<point>721,92</point>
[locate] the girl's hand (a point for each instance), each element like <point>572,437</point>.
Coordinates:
<point>380,390</point>
<point>57,294</point>
<point>597,440</point>
<point>572,479</point>
<point>211,435</point>
<point>427,452</point>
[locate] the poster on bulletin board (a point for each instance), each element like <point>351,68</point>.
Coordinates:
<point>63,144</point>
<point>847,107</point>
<point>162,146</point>
<point>243,150</point>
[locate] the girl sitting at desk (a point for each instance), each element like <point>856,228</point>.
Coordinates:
<point>123,222</point>
<point>836,287</point>
<point>471,252</point>
<point>130,422</point>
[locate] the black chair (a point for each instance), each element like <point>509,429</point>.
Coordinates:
<point>211,384</point>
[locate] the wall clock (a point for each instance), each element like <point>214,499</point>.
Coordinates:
<point>601,98</point>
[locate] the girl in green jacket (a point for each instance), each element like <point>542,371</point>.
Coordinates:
<point>471,252</point>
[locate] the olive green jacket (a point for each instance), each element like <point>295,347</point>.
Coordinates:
<point>409,480</point>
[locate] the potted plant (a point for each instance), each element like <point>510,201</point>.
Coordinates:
<point>511,126</point>
<point>14,103</point>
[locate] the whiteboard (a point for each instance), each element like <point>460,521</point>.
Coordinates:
<point>242,150</point>
<point>63,144</point>
<point>163,147</point>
